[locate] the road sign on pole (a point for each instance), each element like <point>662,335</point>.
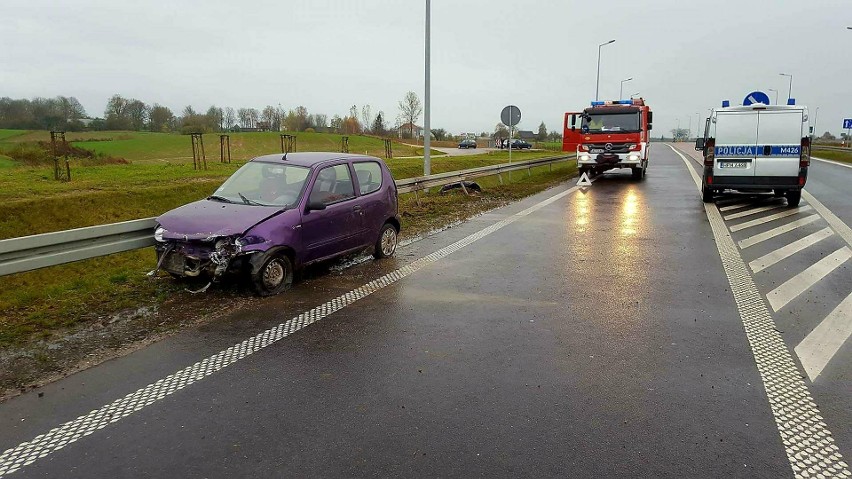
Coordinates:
<point>756,97</point>
<point>510,116</point>
<point>847,123</point>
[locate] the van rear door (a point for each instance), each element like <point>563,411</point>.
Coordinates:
<point>736,144</point>
<point>779,141</point>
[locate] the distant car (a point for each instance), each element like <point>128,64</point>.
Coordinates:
<point>278,213</point>
<point>467,144</point>
<point>519,144</point>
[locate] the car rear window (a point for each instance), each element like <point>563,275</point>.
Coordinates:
<point>369,174</point>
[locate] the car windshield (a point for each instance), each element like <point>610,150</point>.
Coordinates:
<point>609,122</point>
<point>264,184</point>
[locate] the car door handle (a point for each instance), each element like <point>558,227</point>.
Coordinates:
<point>356,208</point>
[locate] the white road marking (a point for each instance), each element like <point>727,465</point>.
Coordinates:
<point>57,438</point>
<point>836,223</point>
<point>793,287</point>
<point>807,440</point>
<point>735,206</point>
<point>758,238</point>
<point>818,347</point>
<point>784,252</point>
<point>846,165</point>
<point>767,219</point>
<point>753,211</point>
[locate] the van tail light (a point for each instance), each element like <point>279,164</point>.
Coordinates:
<point>709,179</point>
<point>805,155</point>
<point>710,157</point>
<point>801,181</point>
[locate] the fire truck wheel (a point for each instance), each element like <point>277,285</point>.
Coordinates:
<point>638,173</point>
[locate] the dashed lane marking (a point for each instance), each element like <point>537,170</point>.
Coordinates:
<point>818,347</point>
<point>761,237</point>
<point>807,441</point>
<point>735,206</point>
<point>785,252</point>
<point>753,211</point>
<point>769,218</point>
<point>793,287</point>
<point>28,452</point>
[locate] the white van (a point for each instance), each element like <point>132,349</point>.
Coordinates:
<point>756,148</point>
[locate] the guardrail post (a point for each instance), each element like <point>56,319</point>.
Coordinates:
<point>500,177</point>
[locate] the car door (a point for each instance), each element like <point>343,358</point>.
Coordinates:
<point>369,177</point>
<point>779,141</point>
<point>736,145</point>
<point>336,228</point>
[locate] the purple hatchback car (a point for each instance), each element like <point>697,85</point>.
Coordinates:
<point>281,212</point>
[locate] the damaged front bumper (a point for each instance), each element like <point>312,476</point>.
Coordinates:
<point>211,259</point>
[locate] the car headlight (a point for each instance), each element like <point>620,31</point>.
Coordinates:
<point>158,234</point>
<point>633,158</point>
<point>585,157</point>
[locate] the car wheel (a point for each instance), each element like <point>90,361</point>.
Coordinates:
<point>386,244</point>
<point>274,276</point>
<point>706,194</point>
<point>793,198</point>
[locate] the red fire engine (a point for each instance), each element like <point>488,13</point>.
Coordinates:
<point>608,135</point>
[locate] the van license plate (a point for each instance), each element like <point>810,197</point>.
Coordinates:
<point>733,164</point>
<point>596,150</point>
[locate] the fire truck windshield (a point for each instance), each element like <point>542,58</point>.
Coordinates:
<point>594,122</point>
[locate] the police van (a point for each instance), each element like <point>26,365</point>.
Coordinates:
<point>756,148</point>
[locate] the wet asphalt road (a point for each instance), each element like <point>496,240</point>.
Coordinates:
<point>593,337</point>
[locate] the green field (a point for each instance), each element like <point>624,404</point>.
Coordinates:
<point>845,156</point>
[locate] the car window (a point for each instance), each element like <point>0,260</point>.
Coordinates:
<point>369,175</point>
<point>333,184</point>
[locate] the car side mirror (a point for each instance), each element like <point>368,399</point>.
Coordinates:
<point>315,206</point>
<point>699,144</point>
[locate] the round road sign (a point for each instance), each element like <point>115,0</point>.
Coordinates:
<point>511,115</point>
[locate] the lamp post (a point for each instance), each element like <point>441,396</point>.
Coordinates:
<point>634,95</point>
<point>790,91</point>
<point>816,117</point>
<point>621,89</point>
<point>427,133</point>
<point>697,123</point>
<point>776,94</point>
<point>598,81</point>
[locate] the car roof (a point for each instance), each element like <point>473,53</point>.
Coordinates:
<point>308,158</point>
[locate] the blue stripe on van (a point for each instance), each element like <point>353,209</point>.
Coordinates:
<point>757,150</point>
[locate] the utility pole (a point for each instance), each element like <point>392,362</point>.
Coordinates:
<point>427,129</point>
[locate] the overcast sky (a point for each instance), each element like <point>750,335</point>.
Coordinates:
<point>685,56</point>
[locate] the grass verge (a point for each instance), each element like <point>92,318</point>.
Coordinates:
<point>844,156</point>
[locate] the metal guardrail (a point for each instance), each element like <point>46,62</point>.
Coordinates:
<point>27,253</point>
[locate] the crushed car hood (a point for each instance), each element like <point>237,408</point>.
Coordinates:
<point>207,218</point>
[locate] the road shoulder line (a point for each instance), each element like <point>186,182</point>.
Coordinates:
<point>807,441</point>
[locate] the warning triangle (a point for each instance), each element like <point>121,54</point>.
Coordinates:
<point>584,180</point>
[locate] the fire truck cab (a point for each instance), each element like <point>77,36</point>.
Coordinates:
<point>609,135</point>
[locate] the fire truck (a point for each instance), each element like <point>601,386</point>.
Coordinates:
<point>609,135</point>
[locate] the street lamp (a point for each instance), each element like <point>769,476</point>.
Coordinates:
<point>598,81</point>
<point>816,115</point>
<point>776,94</point>
<point>621,89</point>
<point>697,123</point>
<point>634,95</point>
<point>427,130</point>
<point>790,92</point>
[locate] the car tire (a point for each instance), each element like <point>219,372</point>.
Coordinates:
<point>793,198</point>
<point>706,194</point>
<point>387,242</point>
<point>274,276</point>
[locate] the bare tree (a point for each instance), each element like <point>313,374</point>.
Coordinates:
<point>411,109</point>
<point>366,117</point>
<point>320,121</point>
<point>268,116</point>
<point>245,117</point>
<point>230,118</point>
<point>254,117</point>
